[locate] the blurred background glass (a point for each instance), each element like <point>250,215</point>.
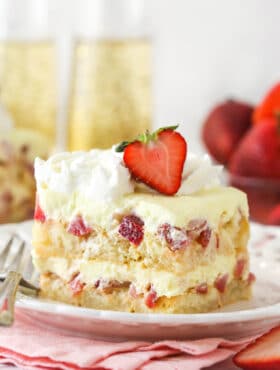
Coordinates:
<point>28,65</point>
<point>111,79</point>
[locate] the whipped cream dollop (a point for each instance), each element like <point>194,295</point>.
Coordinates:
<point>97,174</point>
<point>102,176</point>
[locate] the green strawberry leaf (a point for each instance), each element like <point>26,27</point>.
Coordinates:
<point>121,146</point>
<point>144,138</point>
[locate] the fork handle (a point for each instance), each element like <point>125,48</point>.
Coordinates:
<point>7,298</point>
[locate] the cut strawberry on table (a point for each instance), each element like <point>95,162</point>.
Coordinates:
<point>269,106</point>
<point>263,354</point>
<point>157,159</point>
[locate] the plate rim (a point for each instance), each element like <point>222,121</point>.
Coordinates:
<point>53,307</point>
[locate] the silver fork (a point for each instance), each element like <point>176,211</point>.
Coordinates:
<point>15,260</point>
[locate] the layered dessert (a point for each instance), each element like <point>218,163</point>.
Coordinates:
<point>143,227</point>
<point>18,149</point>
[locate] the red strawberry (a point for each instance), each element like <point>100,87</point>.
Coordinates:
<point>132,228</point>
<point>157,159</point>
<point>269,106</point>
<point>239,268</point>
<point>39,214</point>
<point>176,237</point>
<point>274,216</point>
<point>263,354</point>
<point>258,154</point>
<point>224,127</point>
<point>202,288</point>
<point>221,282</point>
<point>78,227</point>
<point>151,298</point>
<point>204,237</point>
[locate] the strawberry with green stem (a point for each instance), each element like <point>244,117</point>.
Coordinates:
<point>157,159</point>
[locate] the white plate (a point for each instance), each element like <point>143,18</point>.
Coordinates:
<point>235,321</point>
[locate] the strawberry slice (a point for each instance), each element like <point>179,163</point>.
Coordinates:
<point>157,159</point>
<point>263,354</point>
<point>269,106</point>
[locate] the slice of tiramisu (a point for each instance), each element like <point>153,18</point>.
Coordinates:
<point>147,231</point>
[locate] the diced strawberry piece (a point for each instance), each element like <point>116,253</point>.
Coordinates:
<point>157,159</point>
<point>132,228</point>
<point>221,282</point>
<point>76,285</point>
<point>239,268</point>
<point>204,237</point>
<point>176,237</point>
<point>151,298</point>
<point>195,227</point>
<point>39,214</point>
<point>202,288</point>
<point>132,291</point>
<point>78,227</point>
<point>251,278</point>
<point>262,354</point>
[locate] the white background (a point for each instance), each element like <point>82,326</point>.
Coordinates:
<point>206,51</point>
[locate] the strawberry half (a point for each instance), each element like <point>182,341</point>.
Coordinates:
<point>263,354</point>
<point>157,159</point>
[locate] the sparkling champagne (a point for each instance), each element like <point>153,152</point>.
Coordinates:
<point>110,97</point>
<point>28,84</point>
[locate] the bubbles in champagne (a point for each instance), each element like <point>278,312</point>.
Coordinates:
<point>110,98</point>
<point>28,84</point>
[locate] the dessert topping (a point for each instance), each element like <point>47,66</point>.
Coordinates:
<point>132,228</point>
<point>157,159</point>
<point>78,227</point>
<point>176,238</point>
<point>221,282</point>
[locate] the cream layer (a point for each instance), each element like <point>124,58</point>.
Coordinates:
<point>164,282</point>
<point>216,205</point>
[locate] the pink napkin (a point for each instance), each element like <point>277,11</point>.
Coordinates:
<point>32,347</point>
